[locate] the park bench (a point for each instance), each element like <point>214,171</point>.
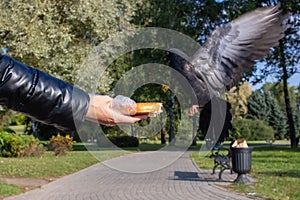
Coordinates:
<point>221,159</point>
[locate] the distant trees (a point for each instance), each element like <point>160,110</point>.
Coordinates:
<point>252,129</point>
<point>263,105</point>
<point>276,117</point>
<point>56,36</point>
<point>283,61</point>
<point>238,98</point>
<point>257,107</point>
<point>277,91</point>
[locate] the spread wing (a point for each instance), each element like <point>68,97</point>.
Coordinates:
<point>183,64</point>
<point>232,50</point>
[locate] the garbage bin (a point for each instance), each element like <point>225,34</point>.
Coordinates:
<point>241,163</point>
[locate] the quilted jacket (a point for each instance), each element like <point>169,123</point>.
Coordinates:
<point>41,96</point>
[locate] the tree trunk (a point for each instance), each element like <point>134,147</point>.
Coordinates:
<point>288,108</point>
<point>171,128</point>
<point>162,132</point>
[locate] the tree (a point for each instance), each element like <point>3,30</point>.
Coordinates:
<point>257,107</point>
<point>199,18</point>
<point>262,105</point>
<point>289,113</point>
<point>56,36</point>
<point>252,129</point>
<point>283,60</point>
<point>194,18</point>
<point>298,111</point>
<point>238,98</point>
<point>276,118</point>
<point>277,91</point>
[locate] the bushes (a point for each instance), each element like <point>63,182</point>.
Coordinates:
<point>61,144</point>
<point>17,119</point>
<point>124,141</point>
<point>13,145</point>
<point>120,141</point>
<point>6,129</point>
<point>252,129</point>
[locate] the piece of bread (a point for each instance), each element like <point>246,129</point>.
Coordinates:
<point>150,108</point>
<point>239,143</point>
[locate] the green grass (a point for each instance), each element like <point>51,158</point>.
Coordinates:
<point>8,190</point>
<point>276,168</point>
<point>48,166</point>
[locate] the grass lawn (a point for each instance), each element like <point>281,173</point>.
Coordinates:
<point>276,168</point>
<point>48,166</point>
<point>8,190</point>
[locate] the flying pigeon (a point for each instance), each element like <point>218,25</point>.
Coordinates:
<point>229,53</point>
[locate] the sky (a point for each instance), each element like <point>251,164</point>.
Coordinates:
<point>293,81</point>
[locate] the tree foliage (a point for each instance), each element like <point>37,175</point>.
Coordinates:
<point>238,98</point>
<point>257,107</point>
<point>252,129</point>
<point>263,106</point>
<point>276,90</point>
<point>56,35</point>
<point>283,61</point>
<point>276,117</point>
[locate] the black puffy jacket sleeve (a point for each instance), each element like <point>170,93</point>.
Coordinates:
<point>41,96</point>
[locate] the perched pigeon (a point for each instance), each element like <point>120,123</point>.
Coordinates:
<point>229,53</point>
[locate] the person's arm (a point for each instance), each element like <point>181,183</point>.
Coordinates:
<point>41,96</point>
<point>51,100</point>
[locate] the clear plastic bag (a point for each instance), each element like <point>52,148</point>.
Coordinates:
<point>124,105</point>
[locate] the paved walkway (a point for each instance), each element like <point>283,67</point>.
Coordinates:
<point>164,180</point>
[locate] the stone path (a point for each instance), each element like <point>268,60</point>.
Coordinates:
<point>140,176</point>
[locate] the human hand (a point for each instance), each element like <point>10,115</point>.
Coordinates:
<point>110,112</point>
<point>193,110</point>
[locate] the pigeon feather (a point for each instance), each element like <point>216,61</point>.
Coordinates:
<point>230,52</point>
